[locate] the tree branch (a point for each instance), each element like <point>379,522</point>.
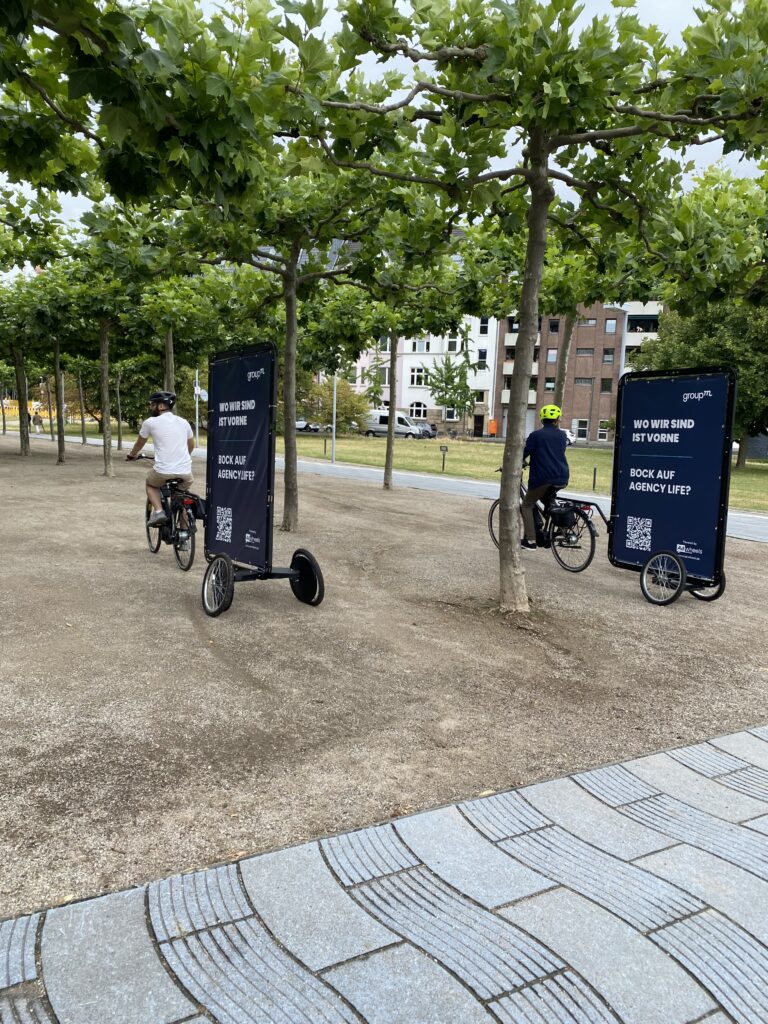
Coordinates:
<point>65,118</point>
<point>379,172</point>
<point>445,53</point>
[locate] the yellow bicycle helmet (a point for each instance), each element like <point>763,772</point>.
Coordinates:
<point>550,412</point>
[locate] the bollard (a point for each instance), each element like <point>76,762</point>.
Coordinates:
<point>325,444</point>
<point>594,479</point>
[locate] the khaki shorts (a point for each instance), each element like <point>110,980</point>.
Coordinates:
<point>155,479</point>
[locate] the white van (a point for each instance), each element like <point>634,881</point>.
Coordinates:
<point>377,425</point>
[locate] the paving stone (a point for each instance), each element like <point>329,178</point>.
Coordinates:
<point>369,853</point>
<point>752,781</point>
<point>634,895</point>
<point>563,999</point>
<point>186,903</point>
<point>758,824</point>
<point>503,815</point>
<point>735,844</point>
<point>614,785</point>
<point>674,779</point>
<point>635,978</point>
<point>241,976</point>
<point>454,850</point>
<point>588,818</point>
<point>403,986</point>
<point>17,950</point>
<point>761,731</point>
<point>736,893</point>
<point>707,760</point>
<point>301,902</point>
<point>23,1010</point>
<point>487,953</point>
<point>100,966</point>
<point>729,961</point>
<point>749,748</point>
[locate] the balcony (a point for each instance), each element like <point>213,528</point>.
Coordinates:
<point>511,339</point>
<point>509,365</point>
<point>635,338</point>
<point>505,397</point>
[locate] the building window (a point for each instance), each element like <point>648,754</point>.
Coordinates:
<point>509,353</point>
<point>554,326</point>
<point>483,324</point>
<point>551,355</point>
<point>351,375</point>
<point>384,375</point>
<point>585,351</point>
<point>419,377</point>
<point>606,386</point>
<point>453,345</point>
<point>451,414</point>
<point>588,322</point>
<point>417,411</point>
<point>513,326</point>
<point>587,381</point>
<point>533,383</point>
<point>384,345</point>
<point>582,429</point>
<point>549,383</point>
<point>610,326</point>
<point>479,397</point>
<point>420,345</point>
<point>482,358</point>
<point>602,430</point>
<point>608,355</point>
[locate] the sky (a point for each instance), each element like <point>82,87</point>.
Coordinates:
<point>671,16</point>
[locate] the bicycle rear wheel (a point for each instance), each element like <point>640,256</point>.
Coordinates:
<point>493,521</point>
<point>184,540</point>
<point>573,546</point>
<point>662,579</point>
<point>153,532</point>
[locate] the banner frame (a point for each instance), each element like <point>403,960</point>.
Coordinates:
<point>725,460</point>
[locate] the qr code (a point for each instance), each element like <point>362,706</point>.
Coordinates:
<point>224,524</point>
<point>639,533</point>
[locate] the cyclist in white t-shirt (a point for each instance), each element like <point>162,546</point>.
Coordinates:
<point>173,441</point>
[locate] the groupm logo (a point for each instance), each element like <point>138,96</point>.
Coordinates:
<point>696,396</point>
<point>255,374</point>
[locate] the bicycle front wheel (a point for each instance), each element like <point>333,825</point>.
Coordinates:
<point>493,521</point>
<point>573,546</point>
<point>183,541</point>
<point>662,579</point>
<point>153,532</point>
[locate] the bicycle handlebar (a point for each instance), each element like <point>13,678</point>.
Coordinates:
<point>139,457</point>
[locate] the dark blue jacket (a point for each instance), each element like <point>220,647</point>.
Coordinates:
<point>546,450</point>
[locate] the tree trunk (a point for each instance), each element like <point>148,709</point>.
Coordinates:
<point>290,476</point>
<point>105,400</point>
<point>23,396</point>
<point>741,458</point>
<point>392,418</point>
<point>170,369</point>
<point>2,406</point>
<point>59,381</point>
<point>562,360</point>
<point>82,406</point>
<point>120,413</point>
<point>513,592</point>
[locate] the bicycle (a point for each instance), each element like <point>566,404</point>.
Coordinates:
<point>182,509</point>
<point>562,524</point>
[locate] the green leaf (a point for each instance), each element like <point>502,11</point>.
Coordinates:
<point>119,122</point>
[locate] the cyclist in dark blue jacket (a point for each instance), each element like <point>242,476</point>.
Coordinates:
<point>545,448</point>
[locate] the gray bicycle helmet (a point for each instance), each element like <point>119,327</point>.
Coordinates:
<point>166,397</point>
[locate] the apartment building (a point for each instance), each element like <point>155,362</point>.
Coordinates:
<point>416,357</point>
<point>604,337</point>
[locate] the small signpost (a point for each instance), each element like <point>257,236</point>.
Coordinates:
<point>240,482</point>
<point>671,474</point>
<point>444,450</point>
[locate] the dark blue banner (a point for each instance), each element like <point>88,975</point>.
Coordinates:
<point>672,469</point>
<point>241,456</point>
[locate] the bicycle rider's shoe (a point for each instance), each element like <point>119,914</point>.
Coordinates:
<point>158,518</point>
<point>530,544</point>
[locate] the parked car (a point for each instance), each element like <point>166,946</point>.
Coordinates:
<point>428,430</point>
<point>377,425</point>
<point>307,427</point>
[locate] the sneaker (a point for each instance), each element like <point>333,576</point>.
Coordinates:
<point>530,544</point>
<point>158,518</point>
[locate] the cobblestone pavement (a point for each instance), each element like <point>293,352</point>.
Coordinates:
<point>633,893</point>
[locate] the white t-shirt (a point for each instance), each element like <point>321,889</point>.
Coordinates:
<point>169,435</point>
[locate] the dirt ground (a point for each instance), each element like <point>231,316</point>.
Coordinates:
<point>141,738</point>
